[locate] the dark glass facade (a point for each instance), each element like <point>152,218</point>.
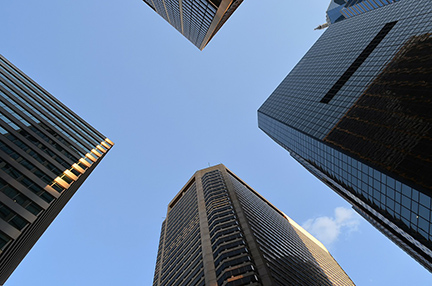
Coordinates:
<point>355,111</point>
<point>342,9</point>
<point>46,153</point>
<point>219,231</point>
<point>197,20</point>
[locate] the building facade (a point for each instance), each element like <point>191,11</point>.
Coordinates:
<point>46,153</point>
<point>219,231</point>
<point>339,10</point>
<point>197,20</point>
<point>356,112</point>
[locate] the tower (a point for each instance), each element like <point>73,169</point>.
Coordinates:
<point>197,20</point>
<point>46,153</point>
<point>219,231</point>
<point>355,112</point>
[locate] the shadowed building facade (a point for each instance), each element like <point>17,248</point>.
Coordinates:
<point>197,20</point>
<point>46,153</point>
<point>356,112</point>
<point>219,231</point>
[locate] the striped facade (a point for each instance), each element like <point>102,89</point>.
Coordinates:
<point>46,153</point>
<point>219,231</point>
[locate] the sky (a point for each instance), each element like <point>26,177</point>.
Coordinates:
<point>171,110</point>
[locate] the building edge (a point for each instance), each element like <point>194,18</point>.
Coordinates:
<point>16,252</point>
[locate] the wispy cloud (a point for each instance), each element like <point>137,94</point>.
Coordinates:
<point>328,229</point>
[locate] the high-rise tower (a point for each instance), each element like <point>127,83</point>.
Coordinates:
<point>197,20</point>
<point>46,153</point>
<point>356,112</point>
<point>219,231</point>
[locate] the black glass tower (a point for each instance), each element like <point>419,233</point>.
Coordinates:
<point>356,112</point>
<point>46,153</point>
<point>219,231</point>
<point>197,20</point>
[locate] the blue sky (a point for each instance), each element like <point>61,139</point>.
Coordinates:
<point>171,110</point>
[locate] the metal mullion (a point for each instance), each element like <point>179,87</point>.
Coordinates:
<point>22,138</point>
<point>50,114</point>
<point>7,158</point>
<point>181,15</point>
<point>18,209</point>
<point>33,124</point>
<point>43,93</point>
<point>25,97</point>
<point>28,174</point>
<point>9,230</point>
<point>166,12</point>
<point>23,190</point>
<point>375,3</point>
<point>154,6</point>
<point>223,7</point>
<point>43,142</point>
<point>36,115</point>
<point>30,146</point>
<point>27,156</point>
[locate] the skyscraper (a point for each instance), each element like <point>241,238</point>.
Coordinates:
<point>46,153</point>
<point>356,112</point>
<point>219,231</point>
<point>197,20</point>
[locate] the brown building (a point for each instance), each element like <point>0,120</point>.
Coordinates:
<point>219,231</point>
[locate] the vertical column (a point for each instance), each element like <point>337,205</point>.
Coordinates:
<point>160,258</point>
<point>207,252</point>
<point>253,246</point>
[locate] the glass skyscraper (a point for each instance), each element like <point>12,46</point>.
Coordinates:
<point>46,153</point>
<point>356,112</point>
<point>197,20</point>
<point>219,231</point>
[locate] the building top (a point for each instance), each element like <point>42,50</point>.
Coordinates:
<point>340,10</point>
<point>223,167</point>
<point>220,231</point>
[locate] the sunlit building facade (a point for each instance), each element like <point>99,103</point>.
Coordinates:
<point>356,112</point>
<point>46,153</point>
<point>197,20</point>
<point>219,231</point>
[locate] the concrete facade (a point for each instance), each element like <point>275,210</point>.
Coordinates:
<point>219,231</point>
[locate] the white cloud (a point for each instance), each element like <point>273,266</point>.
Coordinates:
<point>328,229</point>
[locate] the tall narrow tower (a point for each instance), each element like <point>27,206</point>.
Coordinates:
<point>219,231</point>
<point>46,153</point>
<point>356,111</point>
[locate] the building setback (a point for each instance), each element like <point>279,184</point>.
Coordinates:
<point>219,231</point>
<point>46,153</point>
<point>356,112</point>
<point>197,20</point>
